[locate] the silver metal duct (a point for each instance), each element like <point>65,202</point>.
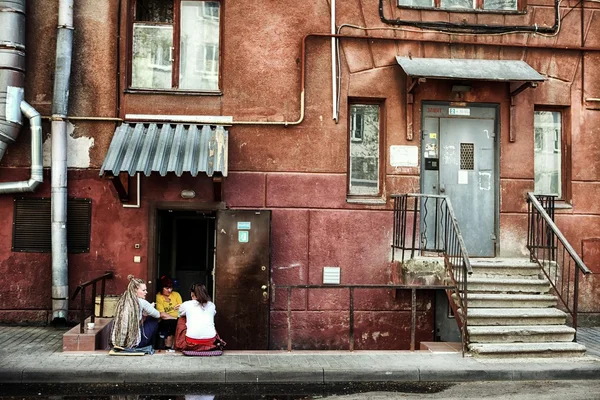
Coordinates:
<point>12,83</point>
<point>60,105</point>
<point>35,122</point>
<point>12,69</point>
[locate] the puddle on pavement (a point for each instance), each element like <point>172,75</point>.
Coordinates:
<point>208,391</point>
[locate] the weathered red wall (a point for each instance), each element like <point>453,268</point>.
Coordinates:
<point>300,171</point>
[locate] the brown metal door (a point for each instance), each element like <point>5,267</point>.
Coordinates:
<point>242,278</point>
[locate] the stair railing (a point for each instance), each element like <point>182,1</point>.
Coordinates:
<point>426,225</point>
<point>81,288</point>
<point>553,253</point>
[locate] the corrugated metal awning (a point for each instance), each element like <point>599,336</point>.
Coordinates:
<point>461,69</point>
<point>162,148</point>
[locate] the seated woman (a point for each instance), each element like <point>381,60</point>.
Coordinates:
<point>196,326</point>
<point>168,301</point>
<point>136,320</point>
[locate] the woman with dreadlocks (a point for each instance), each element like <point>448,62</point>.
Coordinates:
<point>130,328</point>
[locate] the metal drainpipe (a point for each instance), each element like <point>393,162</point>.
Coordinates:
<point>12,83</point>
<point>60,105</point>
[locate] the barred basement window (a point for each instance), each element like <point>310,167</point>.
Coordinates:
<point>32,225</point>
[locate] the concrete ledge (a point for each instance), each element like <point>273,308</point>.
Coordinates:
<point>73,375</point>
<point>408,374</point>
<point>90,339</point>
<point>11,375</point>
<point>274,375</point>
<point>178,375</point>
<point>451,374</point>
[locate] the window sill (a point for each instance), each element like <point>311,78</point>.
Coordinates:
<point>174,92</point>
<point>562,205</point>
<point>466,10</point>
<point>376,201</point>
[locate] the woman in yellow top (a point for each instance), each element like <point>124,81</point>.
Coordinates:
<point>168,301</point>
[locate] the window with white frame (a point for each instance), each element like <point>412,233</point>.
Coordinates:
<point>548,157</point>
<point>175,45</point>
<point>364,150</point>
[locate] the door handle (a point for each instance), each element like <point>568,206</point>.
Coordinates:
<point>264,287</point>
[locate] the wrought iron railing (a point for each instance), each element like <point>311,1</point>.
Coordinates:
<point>351,288</point>
<point>426,225</point>
<point>82,288</point>
<point>553,253</point>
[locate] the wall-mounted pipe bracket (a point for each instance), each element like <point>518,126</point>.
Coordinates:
<point>512,136</point>
<point>411,85</point>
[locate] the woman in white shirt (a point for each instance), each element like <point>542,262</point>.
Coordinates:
<point>196,326</point>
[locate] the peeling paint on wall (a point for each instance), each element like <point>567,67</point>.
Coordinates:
<point>78,149</point>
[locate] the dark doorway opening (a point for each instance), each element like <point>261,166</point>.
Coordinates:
<point>186,248</point>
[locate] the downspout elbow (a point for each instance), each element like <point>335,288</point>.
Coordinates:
<point>36,179</point>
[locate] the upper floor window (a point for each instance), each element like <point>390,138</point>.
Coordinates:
<point>175,45</point>
<point>365,150</point>
<point>548,159</point>
<point>463,5</point>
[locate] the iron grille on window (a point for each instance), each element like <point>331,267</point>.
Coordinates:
<point>32,225</point>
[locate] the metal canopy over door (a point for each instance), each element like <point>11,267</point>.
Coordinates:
<point>465,155</point>
<point>242,278</point>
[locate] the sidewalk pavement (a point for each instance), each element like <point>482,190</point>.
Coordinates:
<point>34,355</point>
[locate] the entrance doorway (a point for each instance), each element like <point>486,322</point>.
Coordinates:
<point>228,251</point>
<point>459,153</point>
<point>186,248</point>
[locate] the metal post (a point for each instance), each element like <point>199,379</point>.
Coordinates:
<point>93,317</point>
<point>413,318</point>
<point>82,310</point>
<point>351,319</point>
<point>103,291</point>
<point>289,318</point>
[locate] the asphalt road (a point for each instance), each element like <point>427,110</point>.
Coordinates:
<point>526,390</point>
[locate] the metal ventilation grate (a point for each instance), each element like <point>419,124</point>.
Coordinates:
<point>32,225</point>
<point>467,156</point>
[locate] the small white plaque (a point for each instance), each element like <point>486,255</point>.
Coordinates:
<point>463,177</point>
<point>331,275</point>
<point>404,156</point>
<point>459,111</point>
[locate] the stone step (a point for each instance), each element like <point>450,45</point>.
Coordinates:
<point>516,350</point>
<point>509,300</point>
<point>515,316</point>
<point>506,285</point>
<point>521,334</point>
<point>505,266</point>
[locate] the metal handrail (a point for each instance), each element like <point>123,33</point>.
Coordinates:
<point>547,247</point>
<point>81,288</point>
<point>438,232</point>
<point>351,287</point>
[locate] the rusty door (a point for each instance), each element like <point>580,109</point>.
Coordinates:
<point>242,278</point>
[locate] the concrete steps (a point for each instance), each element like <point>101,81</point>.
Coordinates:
<point>521,334</point>
<point>512,314</point>
<point>501,284</point>
<point>511,350</point>
<point>505,266</point>
<point>515,316</point>
<point>509,300</point>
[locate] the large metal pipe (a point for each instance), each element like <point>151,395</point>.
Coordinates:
<point>60,106</point>
<point>35,123</point>
<point>12,83</point>
<point>12,69</point>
